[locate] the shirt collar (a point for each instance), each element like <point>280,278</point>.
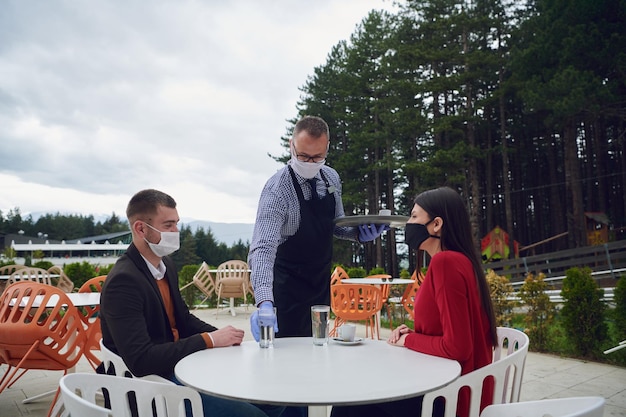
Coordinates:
<point>159,272</point>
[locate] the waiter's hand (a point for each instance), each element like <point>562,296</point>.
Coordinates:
<point>269,319</point>
<point>368,232</point>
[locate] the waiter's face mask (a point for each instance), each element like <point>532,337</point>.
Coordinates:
<point>304,165</point>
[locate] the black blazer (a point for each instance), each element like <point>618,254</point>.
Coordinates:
<point>134,322</point>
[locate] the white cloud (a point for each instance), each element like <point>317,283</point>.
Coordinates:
<point>100,101</point>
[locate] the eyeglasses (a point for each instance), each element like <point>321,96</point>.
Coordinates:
<point>385,279</point>
<point>302,157</point>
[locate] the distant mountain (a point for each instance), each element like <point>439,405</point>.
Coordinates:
<point>228,233</point>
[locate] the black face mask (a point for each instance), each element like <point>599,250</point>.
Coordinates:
<point>415,234</point>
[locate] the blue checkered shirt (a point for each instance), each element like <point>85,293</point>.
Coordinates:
<point>278,218</point>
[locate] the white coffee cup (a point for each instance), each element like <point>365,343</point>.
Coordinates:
<point>347,332</point>
<point>384,212</point>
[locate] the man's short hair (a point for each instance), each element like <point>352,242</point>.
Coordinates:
<point>313,125</point>
<point>146,202</point>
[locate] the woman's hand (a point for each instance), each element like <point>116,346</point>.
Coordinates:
<point>399,335</point>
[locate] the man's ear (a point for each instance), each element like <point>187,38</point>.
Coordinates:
<point>138,228</point>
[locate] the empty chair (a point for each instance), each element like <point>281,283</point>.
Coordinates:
<point>81,392</point>
<point>356,302</point>
<point>558,407</point>
<point>7,270</point>
<point>90,315</point>
<point>28,273</point>
<point>384,288</point>
<point>203,280</point>
<point>506,371</point>
<point>408,297</point>
<point>338,274</point>
<point>39,329</point>
<point>232,280</point>
<point>63,281</point>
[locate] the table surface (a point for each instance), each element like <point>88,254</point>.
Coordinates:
<point>6,277</point>
<point>296,372</point>
<point>79,299</point>
<point>377,281</point>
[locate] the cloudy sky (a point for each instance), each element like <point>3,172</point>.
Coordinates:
<point>99,99</point>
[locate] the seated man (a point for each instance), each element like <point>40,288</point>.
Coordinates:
<point>143,316</point>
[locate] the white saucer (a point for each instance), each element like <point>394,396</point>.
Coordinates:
<point>340,341</point>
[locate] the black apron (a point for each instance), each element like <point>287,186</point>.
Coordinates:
<point>302,266</point>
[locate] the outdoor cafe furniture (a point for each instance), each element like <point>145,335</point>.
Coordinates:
<point>555,407</point>
<point>203,280</point>
<point>40,328</point>
<point>92,319</point>
<point>356,302</point>
<point>297,373</point>
<point>384,282</point>
<point>506,370</point>
<point>82,392</point>
<point>30,273</point>
<point>62,280</point>
<point>232,281</point>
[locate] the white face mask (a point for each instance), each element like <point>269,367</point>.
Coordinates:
<point>305,169</point>
<point>169,243</point>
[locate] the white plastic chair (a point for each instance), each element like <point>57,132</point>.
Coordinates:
<point>507,369</point>
<point>119,368</point>
<point>558,407</point>
<point>80,392</point>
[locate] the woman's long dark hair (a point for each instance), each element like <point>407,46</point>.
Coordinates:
<point>456,235</point>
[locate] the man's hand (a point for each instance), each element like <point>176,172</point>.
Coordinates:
<point>368,232</point>
<point>227,336</point>
<point>266,318</point>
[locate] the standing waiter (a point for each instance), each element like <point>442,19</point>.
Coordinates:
<point>291,249</point>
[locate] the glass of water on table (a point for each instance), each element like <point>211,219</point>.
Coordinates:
<point>320,318</point>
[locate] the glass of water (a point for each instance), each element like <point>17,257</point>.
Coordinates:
<point>320,318</point>
<point>266,326</point>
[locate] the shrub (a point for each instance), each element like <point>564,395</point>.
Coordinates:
<point>583,311</point>
<point>79,273</point>
<point>356,272</point>
<point>377,270</point>
<point>185,276</point>
<point>501,289</point>
<point>43,265</point>
<point>540,311</point>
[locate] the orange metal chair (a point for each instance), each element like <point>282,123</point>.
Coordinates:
<point>408,298</point>
<point>39,329</point>
<point>232,281</point>
<point>338,274</point>
<point>203,280</point>
<point>356,302</point>
<point>384,288</point>
<point>91,318</point>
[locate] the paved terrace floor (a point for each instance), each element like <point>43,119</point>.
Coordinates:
<point>545,376</point>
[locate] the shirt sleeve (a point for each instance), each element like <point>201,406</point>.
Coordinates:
<point>272,215</point>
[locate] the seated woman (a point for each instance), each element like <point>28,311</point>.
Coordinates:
<point>453,313</point>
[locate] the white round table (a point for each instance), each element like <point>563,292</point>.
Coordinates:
<point>295,372</point>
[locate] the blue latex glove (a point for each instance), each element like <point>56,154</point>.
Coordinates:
<point>267,319</point>
<point>368,232</point>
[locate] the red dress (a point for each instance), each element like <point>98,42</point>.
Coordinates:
<point>450,321</point>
